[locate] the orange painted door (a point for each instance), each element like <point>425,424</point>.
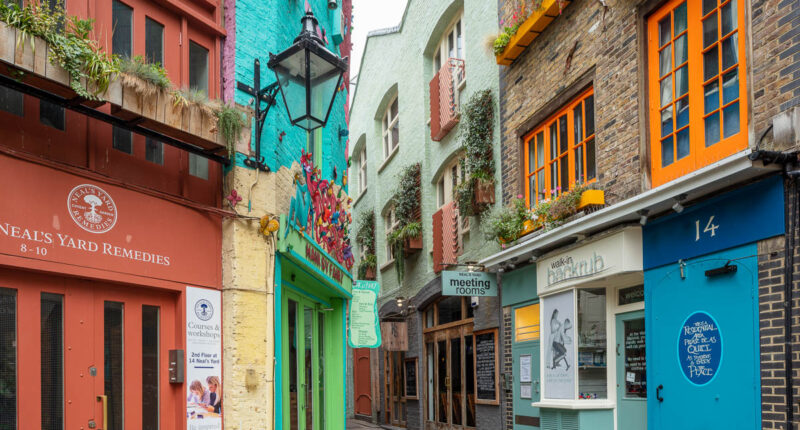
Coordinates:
<point>362,382</point>
<point>93,355</point>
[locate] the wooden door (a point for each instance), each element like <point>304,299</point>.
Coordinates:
<point>362,382</point>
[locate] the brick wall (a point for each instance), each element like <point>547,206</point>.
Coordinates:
<point>585,39</point>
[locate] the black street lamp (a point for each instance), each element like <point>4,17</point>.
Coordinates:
<point>307,74</point>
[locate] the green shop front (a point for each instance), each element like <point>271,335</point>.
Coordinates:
<point>311,294</point>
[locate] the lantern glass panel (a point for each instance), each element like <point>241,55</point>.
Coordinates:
<point>324,79</point>
<point>291,77</point>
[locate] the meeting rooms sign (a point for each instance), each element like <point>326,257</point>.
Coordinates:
<point>473,284</point>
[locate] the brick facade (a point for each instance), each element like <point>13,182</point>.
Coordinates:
<point>508,369</point>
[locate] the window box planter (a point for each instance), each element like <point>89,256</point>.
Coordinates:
<point>484,192</point>
<point>370,276</point>
<point>412,245</point>
<point>155,110</point>
<point>530,29</point>
<point>592,198</point>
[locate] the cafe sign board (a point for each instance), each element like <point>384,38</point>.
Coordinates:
<point>473,284</point>
<point>615,254</point>
<point>363,331</point>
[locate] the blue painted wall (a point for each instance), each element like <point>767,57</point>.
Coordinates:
<point>264,26</point>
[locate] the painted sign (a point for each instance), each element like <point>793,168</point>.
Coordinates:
<point>700,348</point>
<point>364,331</point>
<point>742,216</point>
<point>395,335</point>
<point>615,254</point>
<point>324,264</point>
<point>203,359</point>
<point>559,364</point>
<point>472,284</point>
<point>51,217</point>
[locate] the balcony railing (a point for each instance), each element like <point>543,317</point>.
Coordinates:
<point>444,98</point>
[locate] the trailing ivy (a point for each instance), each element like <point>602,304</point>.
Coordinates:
<point>407,209</point>
<point>476,133</point>
<point>365,236</point>
<point>230,123</point>
<point>68,38</point>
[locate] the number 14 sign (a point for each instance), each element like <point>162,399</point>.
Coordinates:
<point>741,216</point>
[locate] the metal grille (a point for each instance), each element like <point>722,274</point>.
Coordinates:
<point>52,356</point>
<point>8,359</point>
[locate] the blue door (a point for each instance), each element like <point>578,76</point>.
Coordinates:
<point>525,350</point>
<point>702,343</point>
<point>631,368</point>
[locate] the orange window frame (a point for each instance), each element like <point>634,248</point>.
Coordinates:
<point>547,165</point>
<point>699,154</point>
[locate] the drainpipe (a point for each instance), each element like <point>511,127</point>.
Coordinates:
<point>791,208</point>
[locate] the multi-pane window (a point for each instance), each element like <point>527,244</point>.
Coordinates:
<point>451,46</point>
<point>11,101</point>
<point>561,152</point>
<point>51,115</point>
<point>198,166</point>
<point>198,67</point>
<point>391,129</point>
<point>153,41</point>
<point>362,170</point>
<point>122,45</point>
<point>153,151</point>
<point>526,323</point>
<point>696,78</point>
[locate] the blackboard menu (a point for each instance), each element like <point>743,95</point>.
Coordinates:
<point>411,378</point>
<point>635,361</point>
<point>485,366</point>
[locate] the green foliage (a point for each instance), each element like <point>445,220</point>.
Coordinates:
<point>152,73</point>
<point>504,38</point>
<point>505,223</point>
<point>365,233</point>
<point>407,211</point>
<point>68,38</point>
<point>187,96</point>
<point>476,133</point>
<point>556,211</point>
<point>366,263</point>
<point>229,123</point>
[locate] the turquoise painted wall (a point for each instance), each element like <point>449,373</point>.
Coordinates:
<point>407,74</point>
<point>519,285</point>
<point>264,26</point>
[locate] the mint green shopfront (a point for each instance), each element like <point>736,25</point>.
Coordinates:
<point>311,294</point>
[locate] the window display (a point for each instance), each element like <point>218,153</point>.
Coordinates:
<point>592,357</point>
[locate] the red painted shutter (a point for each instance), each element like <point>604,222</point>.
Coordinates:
<point>438,241</point>
<point>435,119</point>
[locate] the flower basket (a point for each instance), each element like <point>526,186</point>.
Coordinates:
<point>484,192</point>
<point>412,245</point>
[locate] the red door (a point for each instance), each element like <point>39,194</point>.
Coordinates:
<point>93,355</point>
<point>362,382</point>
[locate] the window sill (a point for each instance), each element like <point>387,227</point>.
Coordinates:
<point>363,192</point>
<point>389,158</point>
<point>575,404</point>
<point>386,265</point>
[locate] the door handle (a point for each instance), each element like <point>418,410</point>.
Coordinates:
<point>104,400</point>
<point>658,393</point>
<point>617,350</point>
<point>537,386</point>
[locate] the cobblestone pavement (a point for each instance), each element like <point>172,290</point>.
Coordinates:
<point>359,424</point>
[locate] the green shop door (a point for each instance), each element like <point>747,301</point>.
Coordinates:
<point>303,370</point>
<point>631,372</point>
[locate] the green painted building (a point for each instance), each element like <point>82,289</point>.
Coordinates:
<point>418,78</point>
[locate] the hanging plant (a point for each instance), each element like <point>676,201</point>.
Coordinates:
<point>407,236</point>
<point>230,123</point>
<point>365,236</point>
<point>476,193</point>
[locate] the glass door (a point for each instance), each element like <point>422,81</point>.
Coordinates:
<point>395,401</point>
<point>451,378</point>
<point>303,353</point>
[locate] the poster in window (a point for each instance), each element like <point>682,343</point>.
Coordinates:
<point>524,368</point>
<point>203,359</point>
<point>410,372</point>
<point>635,360</point>
<point>558,322</point>
<point>485,367</point>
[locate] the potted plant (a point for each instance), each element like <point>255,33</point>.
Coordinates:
<point>484,191</point>
<point>406,239</point>
<point>365,236</point>
<point>506,224</point>
<point>412,237</point>
<point>367,266</point>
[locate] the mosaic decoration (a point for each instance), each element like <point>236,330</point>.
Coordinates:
<point>322,211</point>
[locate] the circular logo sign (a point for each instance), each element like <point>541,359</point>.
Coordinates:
<point>700,348</point>
<point>203,309</point>
<point>92,208</point>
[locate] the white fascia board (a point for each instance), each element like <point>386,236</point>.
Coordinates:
<point>722,174</point>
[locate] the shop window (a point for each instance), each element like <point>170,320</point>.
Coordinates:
<point>449,310</point>
<point>391,128</point>
<point>153,41</point>
<point>198,166</point>
<point>451,46</point>
<point>410,380</point>
<point>11,101</point>
<point>198,67</point>
<point>51,115</point>
<point>630,295</point>
<point>560,152</point>
<point>592,345</point>
<point>150,360</point>
<point>696,78</point>
<point>153,151</point>
<point>52,360</point>
<point>526,323</point>
<point>122,140</point>
<point>113,361</point>
<point>8,357</point>
<point>122,23</point>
